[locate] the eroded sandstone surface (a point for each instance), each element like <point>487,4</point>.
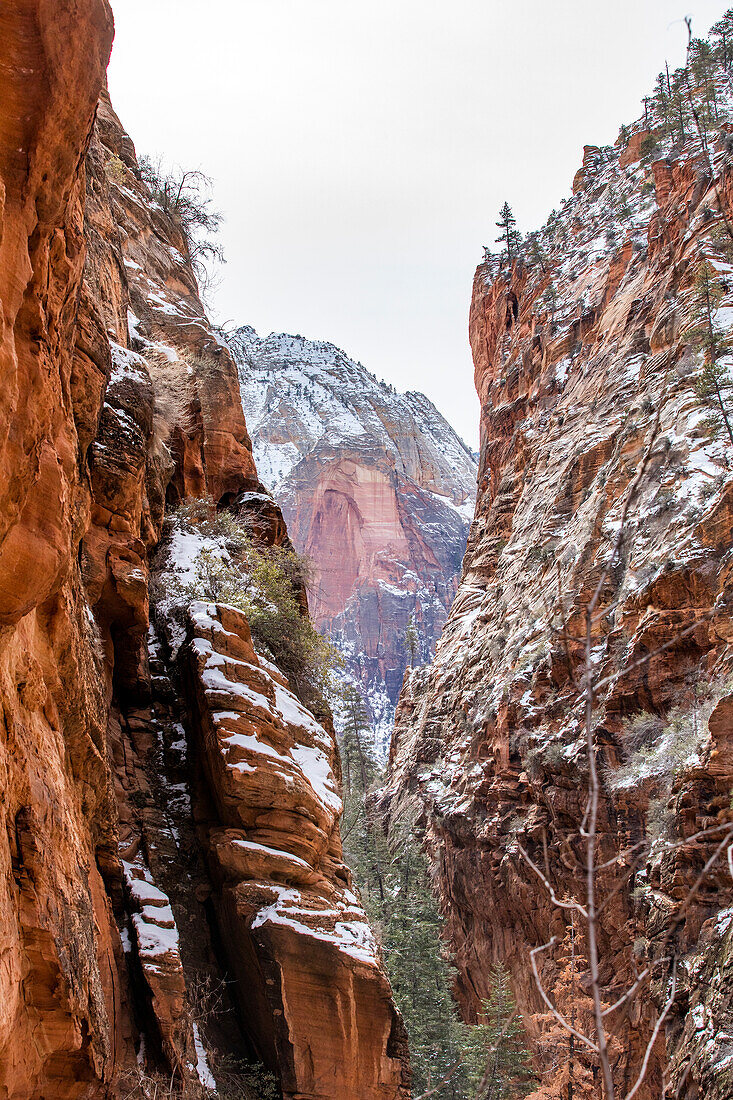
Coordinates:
<point>300,939</point>
<point>58,997</point>
<point>584,364</point>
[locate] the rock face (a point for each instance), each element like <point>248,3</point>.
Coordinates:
<point>377,491</point>
<point>305,958</point>
<point>58,999</point>
<point>119,400</point>
<point>583,367</point>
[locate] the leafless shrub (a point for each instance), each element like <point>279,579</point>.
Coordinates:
<point>217,1074</point>
<point>115,169</point>
<point>234,1081</point>
<point>203,366</point>
<point>641,731</point>
<point>183,195</point>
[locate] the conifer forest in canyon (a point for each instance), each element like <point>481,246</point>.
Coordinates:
<point>341,759</point>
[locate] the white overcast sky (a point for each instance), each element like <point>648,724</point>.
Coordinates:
<point>360,151</point>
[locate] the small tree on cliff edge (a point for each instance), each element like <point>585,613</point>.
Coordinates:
<point>714,386</point>
<point>509,236</point>
<point>412,639</point>
<point>184,196</point>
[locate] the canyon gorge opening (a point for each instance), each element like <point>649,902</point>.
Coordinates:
<point>341,761</point>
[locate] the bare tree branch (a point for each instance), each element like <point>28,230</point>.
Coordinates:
<point>548,886</point>
<point>701,877</point>
<point>590,821</point>
<point>628,994</point>
<point>616,676</point>
<point>667,845</point>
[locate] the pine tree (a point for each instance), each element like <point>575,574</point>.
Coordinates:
<point>702,67</point>
<point>421,978</point>
<point>360,775</point>
<point>354,750</point>
<point>392,876</point>
<point>549,299</point>
<point>508,1069</point>
<point>677,100</point>
<point>412,639</point>
<point>535,251</point>
<point>722,32</point>
<point>662,104</point>
<point>714,386</point>
<point>509,236</point>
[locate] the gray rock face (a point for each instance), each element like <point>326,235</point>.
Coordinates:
<point>585,363</point>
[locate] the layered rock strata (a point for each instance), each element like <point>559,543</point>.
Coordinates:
<point>377,490</point>
<point>584,365</point>
<point>118,400</point>
<point>309,977</point>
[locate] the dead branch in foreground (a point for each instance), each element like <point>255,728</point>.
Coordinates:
<point>588,687</point>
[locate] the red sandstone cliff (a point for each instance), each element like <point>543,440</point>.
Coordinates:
<point>58,997</point>
<point>578,347</point>
<point>125,877</point>
<point>377,490</point>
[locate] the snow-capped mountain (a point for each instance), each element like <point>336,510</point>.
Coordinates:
<point>377,490</point>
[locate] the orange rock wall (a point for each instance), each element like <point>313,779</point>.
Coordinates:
<point>59,994</point>
<point>310,980</point>
<point>381,554</point>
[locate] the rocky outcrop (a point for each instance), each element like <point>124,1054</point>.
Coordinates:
<point>378,493</point>
<point>309,978</point>
<point>119,400</point>
<point>172,428</point>
<point>171,423</point>
<point>584,365</point>
<point>143,284</point>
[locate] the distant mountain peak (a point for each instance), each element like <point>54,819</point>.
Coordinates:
<point>377,489</point>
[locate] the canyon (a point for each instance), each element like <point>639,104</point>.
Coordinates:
<point>378,494</point>
<point>176,913</point>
